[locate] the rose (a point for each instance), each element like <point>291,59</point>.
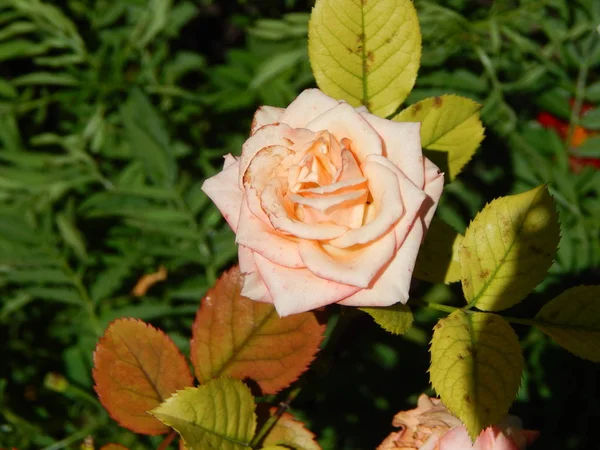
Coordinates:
<point>329,205</point>
<point>430,426</point>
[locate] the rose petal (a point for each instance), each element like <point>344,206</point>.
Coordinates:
<point>255,289</point>
<point>456,439</point>
<point>343,121</point>
<point>265,115</point>
<point>356,267</point>
<point>387,205</point>
<point>434,185</point>
<point>225,193</point>
<point>493,439</point>
<point>431,443</point>
<point>309,104</point>
<point>393,283</point>
<point>413,200</point>
<point>325,202</point>
<point>333,187</point>
<point>269,135</point>
<point>266,165</point>
<point>272,202</point>
<point>229,160</point>
<point>246,260</point>
<point>402,145</point>
<point>299,290</point>
<point>255,235</point>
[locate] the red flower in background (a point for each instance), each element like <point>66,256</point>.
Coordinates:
<point>580,135</point>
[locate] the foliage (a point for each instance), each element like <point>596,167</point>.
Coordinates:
<point>113,113</point>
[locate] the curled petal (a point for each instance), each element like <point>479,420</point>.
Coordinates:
<point>434,185</point>
<point>270,135</point>
<point>356,267</point>
<point>229,160</point>
<point>393,283</point>
<point>413,199</point>
<point>386,208</point>
<point>265,115</point>
<point>299,290</point>
<point>334,187</point>
<point>309,104</point>
<point>272,202</point>
<point>345,123</point>
<point>325,202</point>
<point>266,165</point>
<point>258,237</point>
<point>225,193</point>
<point>246,260</point>
<point>402,145</point>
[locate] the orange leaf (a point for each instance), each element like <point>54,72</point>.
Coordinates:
<point>113,447</point>
<point>241,338</point>
<point>290,432</point>
<point>136,368</point>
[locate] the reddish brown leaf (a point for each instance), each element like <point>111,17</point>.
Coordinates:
<point>136,368</point>
<point>290,432</point>
<point>241,338</point>
<point>113,447</point>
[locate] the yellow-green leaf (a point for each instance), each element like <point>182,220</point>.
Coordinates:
<point>396,319</point>
<point>366,52</point>
<point>572,320</point>
<point>508,248</point>
<point>476,366</point>
<point>450,130</point>
<point>438,260</point>
<point>218,415</point>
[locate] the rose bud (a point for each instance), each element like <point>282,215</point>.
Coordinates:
<point>430,426</point>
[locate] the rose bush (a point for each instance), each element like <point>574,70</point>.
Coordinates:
<point>329,205</point>
<point>430,426</point>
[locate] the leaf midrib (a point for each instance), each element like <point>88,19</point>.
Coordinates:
<point>237,350</point>
<point>492,277</point>
<point>204,429</point>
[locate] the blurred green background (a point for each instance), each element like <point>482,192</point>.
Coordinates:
<point>113,112</point>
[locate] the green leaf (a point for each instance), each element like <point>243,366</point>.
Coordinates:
<point>219,415</point>
<point>572,320</point>
<point>148,139</point>
<point>365,52</point>
<point>591,120</point>
<point>508,248</point>
<point>396,319</point>
<point>438,260</point>
<point>451,130</point>
<point>71,235</point>
<point>476,367</point>
<point>46,78</point>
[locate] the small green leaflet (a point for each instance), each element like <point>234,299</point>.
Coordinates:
<point>572,320</point>
<point>508,248</point>
<point>396,319</point>
<point>476,367</point>
<point>218,415</point>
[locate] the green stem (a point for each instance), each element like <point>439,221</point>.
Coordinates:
<point>272,421</point>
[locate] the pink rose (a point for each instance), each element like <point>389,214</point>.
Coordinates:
<point>329,205</point>
<point>430,426</point>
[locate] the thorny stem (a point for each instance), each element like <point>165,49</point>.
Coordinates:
<point>272,421</point>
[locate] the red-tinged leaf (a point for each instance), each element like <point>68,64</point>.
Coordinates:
<point>113,447</point>
<point>289,432</point>
<point>241,338</point>
<point>136,368</point>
